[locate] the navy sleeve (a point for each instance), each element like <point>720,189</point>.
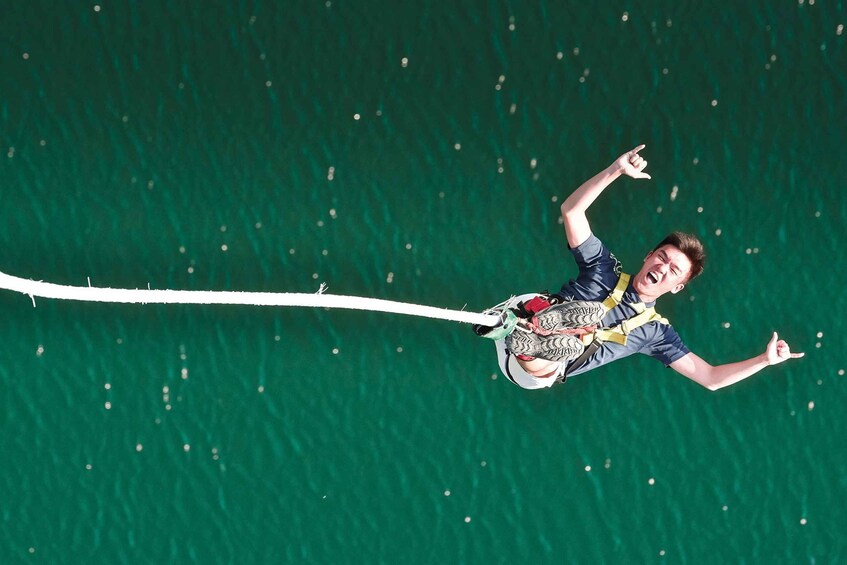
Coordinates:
<point>664,344</point>
<point>598,271</point>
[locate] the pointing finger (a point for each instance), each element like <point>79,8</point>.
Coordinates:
<point>639,148</point>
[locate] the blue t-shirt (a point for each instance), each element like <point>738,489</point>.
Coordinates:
<point>599,271</point>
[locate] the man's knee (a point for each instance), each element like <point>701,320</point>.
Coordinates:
<point>539,367</point>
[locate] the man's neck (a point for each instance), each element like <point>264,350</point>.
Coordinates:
<point>647,298</point>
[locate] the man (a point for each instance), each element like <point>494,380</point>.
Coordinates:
<point>542,350</point>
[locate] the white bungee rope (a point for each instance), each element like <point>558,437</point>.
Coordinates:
<point>89,293</point>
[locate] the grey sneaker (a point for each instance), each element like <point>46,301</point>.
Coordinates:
<point>558,347</point>
<point>575,314</point>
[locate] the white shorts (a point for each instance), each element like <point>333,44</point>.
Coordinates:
<point>510,367</point>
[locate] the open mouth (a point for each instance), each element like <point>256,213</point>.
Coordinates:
<point>652,277</point>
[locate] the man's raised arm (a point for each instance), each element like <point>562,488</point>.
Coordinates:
<point>575,206</point>
<point>719,376</point>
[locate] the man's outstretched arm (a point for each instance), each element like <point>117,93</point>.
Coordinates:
<point>575,206</point>
<point>719,376</point>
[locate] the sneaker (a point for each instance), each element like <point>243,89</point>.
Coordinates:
<point>559,347</point>
<point>575,314</point>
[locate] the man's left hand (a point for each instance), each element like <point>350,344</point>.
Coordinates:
<point>778,351</point>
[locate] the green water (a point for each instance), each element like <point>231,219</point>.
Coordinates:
<point>414,152</point>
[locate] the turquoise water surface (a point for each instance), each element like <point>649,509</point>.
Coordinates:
<point>414,151</point>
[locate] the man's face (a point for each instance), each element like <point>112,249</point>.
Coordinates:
<point>665,270</point>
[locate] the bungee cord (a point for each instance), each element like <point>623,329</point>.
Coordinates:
<point>319,299</point>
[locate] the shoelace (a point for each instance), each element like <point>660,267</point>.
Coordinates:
<point>532,325</point>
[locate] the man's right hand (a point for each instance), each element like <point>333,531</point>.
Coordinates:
<point>632,164</point>
<point>575,206</point>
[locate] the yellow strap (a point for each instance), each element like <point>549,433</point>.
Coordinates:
<point>616,295</point>
<point>648,315</point>
<point>619,333</point>
<point>610,335</point>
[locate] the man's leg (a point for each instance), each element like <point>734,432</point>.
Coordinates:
<point>539,367</point>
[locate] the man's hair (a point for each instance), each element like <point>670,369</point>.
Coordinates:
<point>691,247</point>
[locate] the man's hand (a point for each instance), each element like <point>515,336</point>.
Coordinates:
<point>575,206</point>
<point>715,377</point>
<point>632,164</point>
<point>778,351</point>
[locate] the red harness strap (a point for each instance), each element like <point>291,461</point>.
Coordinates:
<point>536,305</point>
